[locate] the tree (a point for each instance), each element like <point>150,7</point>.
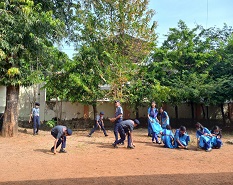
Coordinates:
<point>194,61</point>
<point>111,37</point>
<point>27,35</point>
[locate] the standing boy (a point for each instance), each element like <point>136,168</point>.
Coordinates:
<point>60,132</point>
<point>126,128</point>
<point>35,116</point>
<point>118,118</point>
<point>99,124</point>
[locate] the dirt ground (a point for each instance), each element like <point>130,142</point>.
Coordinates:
<point>27,160</point>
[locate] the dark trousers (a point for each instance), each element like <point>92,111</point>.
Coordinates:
<point>116,126</point>
<point>123,132</point>
<point>96,126</point>
<point>61,140</point>
<point>155,137</point>
<point>149,128</point>
<point>36,124</point>
<point>219,143</point>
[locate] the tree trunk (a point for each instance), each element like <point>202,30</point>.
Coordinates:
<point>176,111</point>
<point>203,111</point>
<point>10,122</point>
<point>137,111</point>
<point>192,109</point>
<point>230,111</point>
<point>223,116</point>
<point>207,112</point>
<point>60,111</point>
<point>94,106</point>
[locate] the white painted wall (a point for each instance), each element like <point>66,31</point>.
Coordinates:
<point>70,110</point>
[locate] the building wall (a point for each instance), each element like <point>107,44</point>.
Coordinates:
<point>48,110</point>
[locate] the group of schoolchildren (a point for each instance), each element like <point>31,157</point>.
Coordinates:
<point>206,139</point>
<point>157,128</point>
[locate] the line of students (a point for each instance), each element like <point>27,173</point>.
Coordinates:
<point>205,139</point>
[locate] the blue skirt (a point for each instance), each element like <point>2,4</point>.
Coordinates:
<point>204,140</point>
<point>167,137</point>
<point>156,127</point>
<point>164,124</point>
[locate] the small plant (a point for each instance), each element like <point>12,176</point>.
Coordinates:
<point>51,123</point>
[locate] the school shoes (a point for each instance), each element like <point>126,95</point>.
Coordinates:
<point>114,145</point>
<point>130,147</point>
<point>62,151</point>
<point>209,149</point>
<point>106,135</point>
<point>89,135</point>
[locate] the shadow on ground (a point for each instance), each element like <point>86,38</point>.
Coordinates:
<point>181,179</point>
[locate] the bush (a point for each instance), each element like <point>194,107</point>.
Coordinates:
<point>51,123</point>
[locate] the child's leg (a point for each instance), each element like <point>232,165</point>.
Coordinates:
<point>116,130</point>
<point>93,130</point>
<point>155,137</point>
<point>103,129</point>
<point>37,124</point>
<point>150,132</point>
<point>63,142</point>
<point>122,135</point>
<point>129,140</point>
<point>34,124</point>
<point>219,143</point>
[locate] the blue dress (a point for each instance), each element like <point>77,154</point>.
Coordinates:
<point>183,138</point>
<point>205,142</point>
<point>155,126</point>
<point>164,116</point>
<point>167,138</point>
<point>216,140</point>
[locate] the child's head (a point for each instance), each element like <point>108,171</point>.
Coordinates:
<point>168,127</point>
<point>37,104</point>
<point>161,109</point>
<point>136,122</point>
<point>199,126</point>
<point>216,129</point>
<point>153,104</point>
<point>182,129</point>
<point>117,103</point>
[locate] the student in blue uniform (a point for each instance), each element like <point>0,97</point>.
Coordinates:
<point>152,115</point>
<point>181,138</point>
<point>118,118</point>
<point>99,124</point>
<point>35,116</point>
<point>126,128</point>
<point>216,137</point>
<point>168,137</point>
<point>204,137</point>
<point>154,123</point>
<point>164,118</point>
<point>60,132</point>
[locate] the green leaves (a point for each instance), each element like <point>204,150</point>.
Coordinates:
<point>25,40</point>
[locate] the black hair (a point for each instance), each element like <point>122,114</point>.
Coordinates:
<point>183,128</point>
<point>154,103</point>
<point>168,127</point>
<point>216,128</point>
<point>199,125</point>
